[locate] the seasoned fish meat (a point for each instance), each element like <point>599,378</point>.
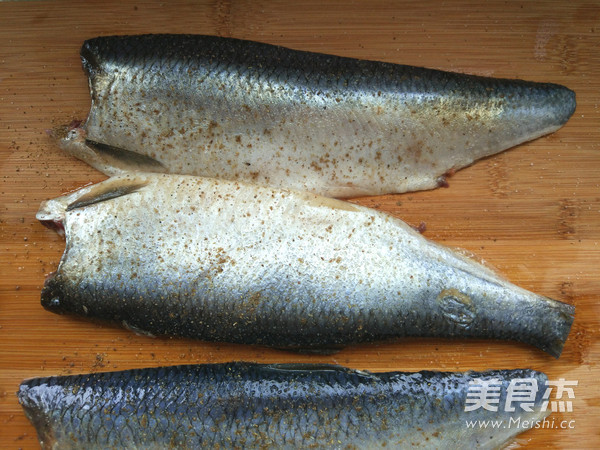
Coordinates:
<point>242,110</point>
<point>227,261</point>
<point>243,405</point>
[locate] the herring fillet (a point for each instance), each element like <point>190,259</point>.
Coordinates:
<point>335,126</point>
<point>228,261</point>
<point>245,405</point>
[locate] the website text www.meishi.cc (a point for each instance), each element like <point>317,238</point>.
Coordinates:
<point>518,422</point>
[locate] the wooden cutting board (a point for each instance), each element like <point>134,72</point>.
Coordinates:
<point>532,212</point>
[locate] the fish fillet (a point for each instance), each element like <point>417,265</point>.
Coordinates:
<point>243,405</point>
<point>228,261</point>
<point>241,110</point>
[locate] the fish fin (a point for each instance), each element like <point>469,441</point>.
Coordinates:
<point>330,350</point>
<point>136,329</point>
<point>106,158</point>
<point>308,367</point>
<point>468,262</point>
<point>484,265</point>
<point>125,159</point>
<point>327,202</point>
<point>109,189</point>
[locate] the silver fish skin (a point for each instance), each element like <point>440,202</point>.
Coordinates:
<point>227,261</point>
<point>335,126</point>
<point>244,405</point>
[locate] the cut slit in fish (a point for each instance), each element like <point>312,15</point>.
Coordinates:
<point>228,261</point>
<point>339,127</point>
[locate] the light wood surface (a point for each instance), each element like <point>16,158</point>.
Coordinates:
<point>532,212</point>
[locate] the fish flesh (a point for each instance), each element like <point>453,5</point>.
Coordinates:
<point>228,261</point>
<point>245,405</point>
<point>335,126</point>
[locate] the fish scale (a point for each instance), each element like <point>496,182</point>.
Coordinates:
<point>249,405</point>
<point>242,110</point>
<point>188,256</point>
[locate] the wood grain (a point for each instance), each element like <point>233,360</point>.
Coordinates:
<point>532,212</point>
